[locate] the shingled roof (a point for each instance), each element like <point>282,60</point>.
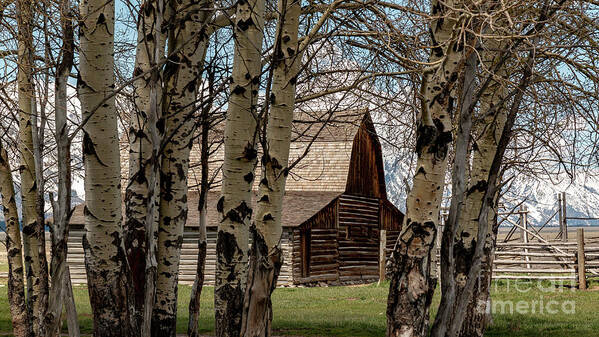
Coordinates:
<point>299,206</point>
<point>322,143</point>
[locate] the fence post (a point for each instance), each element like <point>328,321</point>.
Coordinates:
<point>564,224</point>
<point>581,270</point>
<point>560,218</point>
<point>524,223</point>
<point>382,255</point>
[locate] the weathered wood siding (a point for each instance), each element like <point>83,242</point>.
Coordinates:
<point>366,176</point>
<point>358,238</point>
<point>340,243</point>
<point>323,257</point>
<point>189,256</point>
<point>326,218</point>
<point>391,218</point>
<point>286,275</point>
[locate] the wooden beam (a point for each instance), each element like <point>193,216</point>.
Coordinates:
<point>582,281</point>
<point>564,218</point>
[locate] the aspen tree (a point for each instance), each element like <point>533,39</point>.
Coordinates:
<point>463,126</point>
<point>188,41</point>
<point>266,254</point>
<point>105,258</point>
<point>412,286</point>
<point>238,168</point>
<point>33,229</point>
<point>21,320</point>
<point>62,209</point>
<point>491,186</point>
<point>466,282</point>
<point>146,128</point>
<point>493,106</point>
<point>489,147</point>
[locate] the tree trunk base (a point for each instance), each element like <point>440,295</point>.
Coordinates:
<point>265,265</point>
<point>196,292</point>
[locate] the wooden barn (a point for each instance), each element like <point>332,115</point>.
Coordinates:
<point>334,208</point>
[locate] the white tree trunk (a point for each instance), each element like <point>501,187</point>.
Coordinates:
<point>198,282</point>
<point>182,75</point>
<point>146,128</point>
<point>21,320</point>
<point>33,230</point>
<point>238,168</point>
<point>493,107</point>
<point>266,255</point>
<point>463,125</point>
<point>105,258</point>
<point>412,284</point>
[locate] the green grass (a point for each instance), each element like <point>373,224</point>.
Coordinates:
<point>360,311</point>
<point>3,266</point>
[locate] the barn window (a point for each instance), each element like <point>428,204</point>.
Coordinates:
<point>305,251</point>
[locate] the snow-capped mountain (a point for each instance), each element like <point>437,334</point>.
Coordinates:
<point>538,194</point>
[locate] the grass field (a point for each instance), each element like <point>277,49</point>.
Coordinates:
<point>360,311</point>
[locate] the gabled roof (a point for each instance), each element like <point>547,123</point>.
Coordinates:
<point>298,207</point>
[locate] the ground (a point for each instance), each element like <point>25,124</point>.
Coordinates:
<point>520,309</point>
<point>360,310</point>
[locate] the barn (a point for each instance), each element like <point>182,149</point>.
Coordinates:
<point>336,215</point>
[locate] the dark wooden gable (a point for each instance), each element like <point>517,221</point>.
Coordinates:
<point>366,176</point>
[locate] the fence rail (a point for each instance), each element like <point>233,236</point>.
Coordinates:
<point>576,261</point>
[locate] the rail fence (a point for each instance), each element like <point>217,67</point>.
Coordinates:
<point>531,252</point>
<point>577,261</point>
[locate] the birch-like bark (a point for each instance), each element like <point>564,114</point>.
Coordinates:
<point>33,230</point>
<point>489,198</point>
<point>493,105</point>
<point>105,258</point>
<point>443,319</point>
<point>266,255</point>
<point>146,128</point>
<point>182,75</point>
<point>62,211</point>
<point>238,169</point>
<point>478,316</point>
<point>21,321</point>
<point>412,285</point>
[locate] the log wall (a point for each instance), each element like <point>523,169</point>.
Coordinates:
<point>358,238</point>
<point>343,245</point>
<point>189,256</point>
<point>391,217</point>
<point>323,257</point>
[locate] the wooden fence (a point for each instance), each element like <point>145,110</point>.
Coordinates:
<point>532,252</point>
<point>576,261</point>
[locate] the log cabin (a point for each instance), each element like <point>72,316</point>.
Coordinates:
<point>336,215</point>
